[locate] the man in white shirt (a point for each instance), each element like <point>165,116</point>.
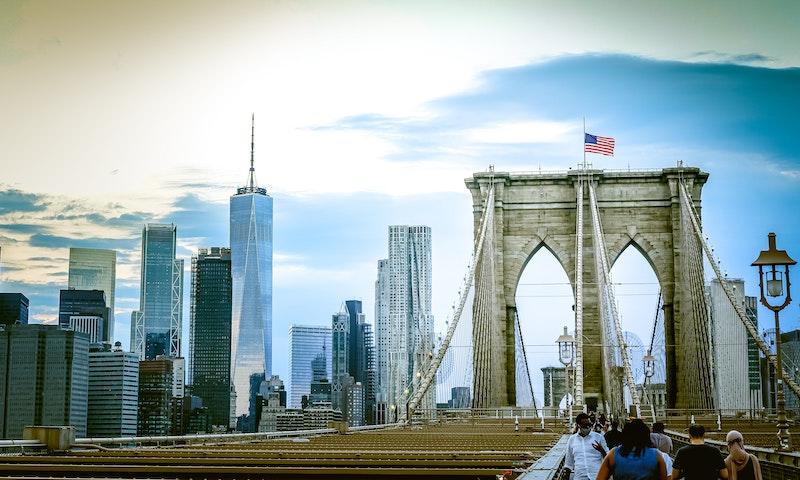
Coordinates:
<point>585,451</point>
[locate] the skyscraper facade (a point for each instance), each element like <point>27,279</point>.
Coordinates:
<point>155,396</point>
<point>113,393</point>
<point>382,331</point>
<point>210,332</point>
<point>156,326</point>
<point>13,308</point>
<point>753,355</point>
<point>251,269</point>
<point>43,378</point>
<point>95,269</point>
<point>306,343</point>
<point>85,311</point>
<point>340,359</point>
<point>729,343</point>
<point>409,329</point>
<point>365,358</point>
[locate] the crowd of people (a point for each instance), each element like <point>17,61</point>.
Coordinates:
<point>598,450</point>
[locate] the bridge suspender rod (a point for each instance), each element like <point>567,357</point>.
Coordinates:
<point>430,374</point>
<point>579,296</point>
<point>729,293</point>
<point>525,360</point>
<point>607,285</point>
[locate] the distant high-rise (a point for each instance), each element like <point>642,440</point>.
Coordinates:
<point>729,346</point>
<point>210,332</point>
<point>43,378</point>
<point>113,393</point>
<point>554,388</point>
<point>85,311</point>
<point>156,326</point>
<point>409,330</point>
<point>95,269</point>
<point>251,269</point>
<point>382,336</point>
<point>340,356</point>
<point>155,396</point>
<point>459,398</point>
<point>306,342</point>
<point>365,357</point>
<point>753,355</point>
<point>13,308</point>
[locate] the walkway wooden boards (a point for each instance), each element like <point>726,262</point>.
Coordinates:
<point>481,450</point>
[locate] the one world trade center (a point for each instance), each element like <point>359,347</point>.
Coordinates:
<point>251,269</point>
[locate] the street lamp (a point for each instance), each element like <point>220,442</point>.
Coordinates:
<point>566,354</point>
<point>649,370</point>
<point>772,260</point>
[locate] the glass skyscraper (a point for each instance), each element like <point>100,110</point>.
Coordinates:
<point>210,332</point>
<point>156,326</point>
<point>251,269</point>
<point>95,269</point>
<point>306,343</point>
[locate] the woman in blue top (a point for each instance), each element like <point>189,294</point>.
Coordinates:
<point>634,459</point>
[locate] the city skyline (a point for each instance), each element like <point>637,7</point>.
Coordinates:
<point>385,159</point>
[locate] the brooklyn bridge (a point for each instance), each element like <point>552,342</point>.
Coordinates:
<point>586,218</point>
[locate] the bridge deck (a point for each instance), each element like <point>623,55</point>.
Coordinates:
<point>483,450</point>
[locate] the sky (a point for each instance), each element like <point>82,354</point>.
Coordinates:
<point>368,114</point>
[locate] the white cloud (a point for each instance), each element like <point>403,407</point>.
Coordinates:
<point>534,131</point>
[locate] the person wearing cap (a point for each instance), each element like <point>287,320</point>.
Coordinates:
<point>741,465</point>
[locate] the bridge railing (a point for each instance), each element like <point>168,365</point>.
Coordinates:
<point>718,418</point>
<point>546,418</point>
<point>549,466</point>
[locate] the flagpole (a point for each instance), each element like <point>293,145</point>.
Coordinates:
<point>584,143</point>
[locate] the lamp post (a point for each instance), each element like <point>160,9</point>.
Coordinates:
<point>770,260</point>
<point>566,354</point>
<point>649,370</point>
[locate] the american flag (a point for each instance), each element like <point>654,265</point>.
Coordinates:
<point>598,144</point>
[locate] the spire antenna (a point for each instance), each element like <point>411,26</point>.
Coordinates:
<point>252,149</point>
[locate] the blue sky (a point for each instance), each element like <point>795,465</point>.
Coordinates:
<point>127,122</point>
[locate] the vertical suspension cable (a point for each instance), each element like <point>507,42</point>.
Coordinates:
<point>579,295</point>
<point>478,250</point>
<point>606,285</point>
<point>521,344</point>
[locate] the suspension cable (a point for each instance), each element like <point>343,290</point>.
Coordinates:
<point>430,374</point>
<point>728,293</point>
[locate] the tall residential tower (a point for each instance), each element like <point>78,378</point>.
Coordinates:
<point>251,269</point>
<point>408,333</point>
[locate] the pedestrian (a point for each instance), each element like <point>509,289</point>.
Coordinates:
<point>634,459</point>
<point>741,465</point>
<point>698,461</point>
<point>660,440</point>
<point>613,436</point>
<point>585,451</point>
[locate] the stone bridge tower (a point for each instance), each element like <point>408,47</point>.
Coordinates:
<point>538,210</point>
